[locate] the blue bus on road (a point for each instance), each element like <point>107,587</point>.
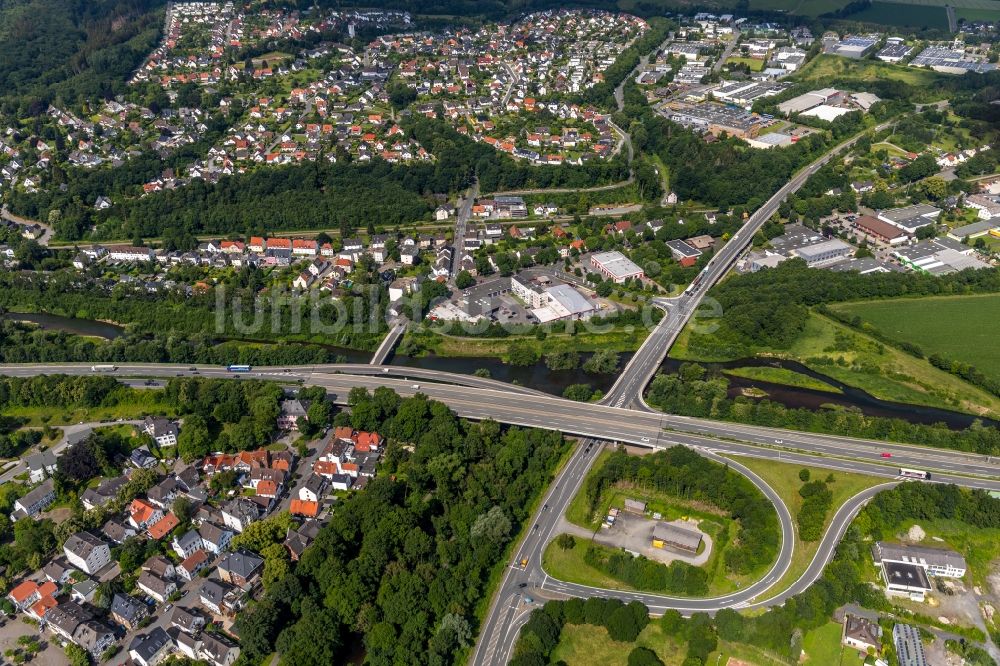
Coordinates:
<point>238,368</point>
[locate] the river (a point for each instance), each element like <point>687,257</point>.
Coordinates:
<point>554,382</point>
<point>51,322</point>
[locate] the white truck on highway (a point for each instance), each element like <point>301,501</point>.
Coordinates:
<point>103,368</point>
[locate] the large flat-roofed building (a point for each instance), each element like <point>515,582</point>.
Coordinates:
<point>826,252</point>
<point>810,246</point>
<point>910,218</point>
<point>854,46</point>
<point>939,256</point>
<point>909,649</point>
<point>879,230</point>
<point>950,61</point>
<point>907,580</point>
<point>935,561</point>
<point>716,119</point>
<point>667,535</point>
<point>808,100</point>
<point>615,266</point>
<point>894,52</point>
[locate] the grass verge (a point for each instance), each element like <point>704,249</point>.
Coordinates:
<point>782,376</point>
<point>784,478</point>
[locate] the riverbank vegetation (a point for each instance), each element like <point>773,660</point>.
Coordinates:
<point>789,312</point>
<point>692,391</point>
<point>782,376</point>
<point>233,311</point>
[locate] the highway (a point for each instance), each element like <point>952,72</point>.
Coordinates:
<point>481,398</point>
<point>627,390</point>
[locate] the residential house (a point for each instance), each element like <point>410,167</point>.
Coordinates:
<point>86,552</point>
<point>35,501</point>
<point>83,592</point>
<point>58,571</point>
<point>163,493</point>
<point>128,611</point>
<point>28,593</point>
<point>291,411</point>
<point>300,538</point>
<point>862,634</point>
<point>156,587</point>
<point>218,650</point>
<point>238,513</point>
<point>65,618</point>
<point>163,527</point>
<point>95,637</point>
<point>219,597</point>
<point>190,567</point>
<point>159,565</point>
<point>304,508</point>
<point>117,530</point>
<point>188,620</point>
<point>41,465</point>
<point>142,514</point>
<point>106,491</point>
<point>150,649</point>
<point>241,568</point>
<point>215,539</point>
<point>312,489</point>
<point>186,544</point>
<point>163,431</point>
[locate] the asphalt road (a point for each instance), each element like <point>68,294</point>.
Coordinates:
<point>628,389</point>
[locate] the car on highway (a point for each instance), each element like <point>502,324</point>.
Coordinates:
<point>886,454</point>
<point>524,563</point>
<point>779,441</point>
<point>645,440</point>
<point>522,585</point>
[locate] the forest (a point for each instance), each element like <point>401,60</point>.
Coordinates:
<point>404,565</point>
<point>71,49</point>
<point>781,628</point>
<point>693,391</point>
<point>682,473</point>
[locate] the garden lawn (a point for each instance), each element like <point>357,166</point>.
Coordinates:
<point>822,647</point>
<point>960,328</point>
<point>582,645</point>
<point>784,479</point>
<point>619,339</point>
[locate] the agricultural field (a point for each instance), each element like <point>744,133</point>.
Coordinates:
<point>971,14</point>
<point>908,15</point>
<point>960,328</point>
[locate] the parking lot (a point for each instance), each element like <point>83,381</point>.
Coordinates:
<point>634,533</point>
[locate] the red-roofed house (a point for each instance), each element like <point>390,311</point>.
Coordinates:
<point>163,527</point>
<point>142,514</point>
<point>304,508</point>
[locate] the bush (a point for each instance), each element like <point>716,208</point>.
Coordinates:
<point>641,656</point>
<point>578,392</point>
<point>604,362</point>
